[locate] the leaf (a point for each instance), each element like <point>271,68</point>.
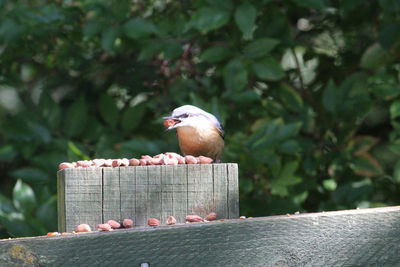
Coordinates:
<point>209,18</point>
<point>108,109</point>
<point>260,47</point>
<point>132,117</point>
<point>216,54</point>
<point>235,75</point>
<point>384,86</point>
<point>373,57</point>
<point>389,36</point>
<point>286,178</point>
<point>76,118</point>
<point>24,197</point>
<point>245,18</point>
<point>289,147</point>
<point>92,28</point>
<point>396,172</point>
<point>47,214</point>
<point>290,98</point>
<point>395,109</point>
<point>317,4</point>
<point>268,69</point>
<point>329,97</point>
<point>366,165</point>
<point>108,38</point>
<point>329,184</point>
<point>6,205</point>
<point>362,144</point>
<point>50,109</point>
<point>138,27</point>
<point>76,151</point>
<point>140,147</point>
<point>7,153</point>
<point>30,175</point>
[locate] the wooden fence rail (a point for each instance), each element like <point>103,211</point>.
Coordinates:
<point>366,237</point>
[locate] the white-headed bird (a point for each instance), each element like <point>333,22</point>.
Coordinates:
<point>199,132</point>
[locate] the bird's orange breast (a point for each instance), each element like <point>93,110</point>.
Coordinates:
<point>200,142</point>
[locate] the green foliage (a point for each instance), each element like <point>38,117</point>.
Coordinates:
<point>307,92</point>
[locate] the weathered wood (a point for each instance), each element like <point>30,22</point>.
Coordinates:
<point>82,202</point>
<point>143,192</point>
<point>111,195</point>
<point>127,180</point>
<point>369,237</point>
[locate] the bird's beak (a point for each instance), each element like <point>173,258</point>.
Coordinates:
<point>172,122</point>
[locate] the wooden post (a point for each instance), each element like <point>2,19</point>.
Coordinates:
<point>96,195</point>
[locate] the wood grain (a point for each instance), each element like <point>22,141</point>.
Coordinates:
<point>143,192</point>
<point>369,237</point>
<point>82,194</point>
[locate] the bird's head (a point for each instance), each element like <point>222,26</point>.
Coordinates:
<point>189,115</point>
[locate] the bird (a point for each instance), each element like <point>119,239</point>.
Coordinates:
<point>199,133</point>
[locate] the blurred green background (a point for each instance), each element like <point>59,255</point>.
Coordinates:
<point>307,90</point>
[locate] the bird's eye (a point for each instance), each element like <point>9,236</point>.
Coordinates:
<point>185,115</point>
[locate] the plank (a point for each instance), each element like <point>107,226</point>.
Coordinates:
<point>141,196</point>
<point>127,180</point>
<point>220,177</point>
<point>154,192</point>
<point>200,189</point>
<point>367,237</point>
<point>180,192</point>
<point>233,190</point>
<point>167,183</point>
<point>82,195</point>
<point>111,194</point>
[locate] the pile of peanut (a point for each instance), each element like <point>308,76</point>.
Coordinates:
<point>111,225</point>
<point>168,158</point>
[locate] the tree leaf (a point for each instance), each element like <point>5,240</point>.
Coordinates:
<point>290,98</point>
<point>260,47</point>
<point>138,27</point>
<point>373,57</point>
<point>235,75</point>
<point>245,17</point>
<point>108,38</point>
<point>24,197</point>
<point>76,118</point>
<point>7,153</point>
<point>329,97</point>
<point>268,69</point>
<point>132,117</point>
<point>395,109</point>
<point>108,109</point>
<point>216,54</point>
<point>209,18</point>
<point>366,165</point>
<point>30,175</point>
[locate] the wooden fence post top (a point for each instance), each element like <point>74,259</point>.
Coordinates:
<point>95,195</point>
<point>354,237</point>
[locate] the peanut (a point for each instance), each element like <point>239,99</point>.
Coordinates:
<point>204,160</point>
<point>83,228</point>
<point>104,227</point>
<point>108,163</point>
<point>168,123</point>
<point>53,234</point>
<point>114,224</point>
<point>191,160</point>
<point>211,216</point>
<point>134,162</point>
<point>193,218</point>
<point>171,220</point>
<point>65,165</point>
<point>84,163</point>
<point>127,223</point>
<point>153,222</point>
<point>124,162</point>
<point>142,162</point>
<point>116,163</point>
<point>156,161</point>
<point>98,162</point>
